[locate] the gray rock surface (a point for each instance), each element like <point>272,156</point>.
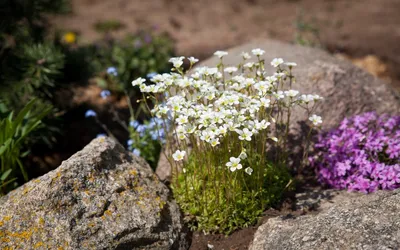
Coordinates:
<point>101,198</point>
<point>348,221</point>
<point>163,170</point>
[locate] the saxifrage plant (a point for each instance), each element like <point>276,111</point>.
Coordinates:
<point>221,122</point>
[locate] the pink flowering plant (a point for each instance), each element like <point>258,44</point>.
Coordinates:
<point>362,154</point>
<point>221,122</point>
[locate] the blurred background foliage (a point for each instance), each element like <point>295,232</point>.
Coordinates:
<point>36,63</point>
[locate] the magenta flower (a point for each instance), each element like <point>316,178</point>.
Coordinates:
<point>362,154</point>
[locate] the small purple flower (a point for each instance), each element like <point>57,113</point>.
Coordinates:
<point>136,151</point>
<point>112,71</point>
<point>362,154</point>
<point>105,93</point>
<point>130,142</point>
<point>90,113</point>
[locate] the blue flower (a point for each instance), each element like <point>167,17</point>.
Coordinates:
<point>90,113</point>
<point>151,125</point>
<point>112,71</point>
<point>157,120</point>
<point>130,142</point>
<point>136,151</point>
<point>154,135</point>
<point>151,75</point>
<point>134,124</point>
<point>101,135</point>
<point>105,93</point>
<point>141,128</point>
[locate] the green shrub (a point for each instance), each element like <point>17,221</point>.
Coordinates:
<point>116,63</point>
<point>14,132</point>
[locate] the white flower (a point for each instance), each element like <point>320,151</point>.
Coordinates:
<point>317,97</point>
<point>262,125</point>
<point>179,155</point>
<point>279,95</point>
<point>276,62</point>
<point>207,136</point>
<point>190,129</point>
<point>263,87</point>
<point>257,52</point>
<point>234,164</point>
<point>214,142</point>
<point>291,93</point>
<point>248,65</point>
<point>315,119</point>
<point>246,55</point>
<point>177,61</point>
<point>220,53</point>
<point>265,102</point>
<point>182,119</point>
<point>163,110</point>
<point>180,129</point>
<point>230,70</point>
<point>307,98</point>
<point>222,130</point>
<point>291,64</point>
<point>181,136</point>
<point>249,82</point>
<point>244,134</point>
<point>243,154</point>
<point>274,139</point>
<point>248,170</point>
<point>232,126</point>
<point>193,60</point>
<point>138,81</point>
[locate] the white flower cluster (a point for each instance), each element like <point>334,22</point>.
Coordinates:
<point>208,106</point>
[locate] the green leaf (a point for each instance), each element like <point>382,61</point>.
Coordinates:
<point>5,145</point>
<point>5,175</point>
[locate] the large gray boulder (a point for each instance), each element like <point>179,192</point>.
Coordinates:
<point>101,198</point>
<point>356,221</point>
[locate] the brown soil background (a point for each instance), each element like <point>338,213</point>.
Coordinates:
<point>199,27</point>
<point>366,31</point>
